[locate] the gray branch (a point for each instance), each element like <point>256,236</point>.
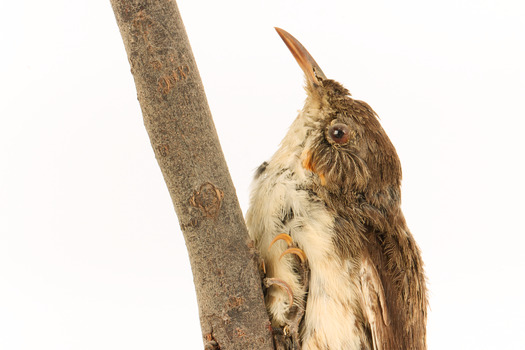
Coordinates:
<point>185,142</point>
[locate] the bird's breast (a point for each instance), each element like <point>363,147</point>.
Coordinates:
<point>283,201</point>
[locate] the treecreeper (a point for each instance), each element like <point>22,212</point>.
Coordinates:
<point>342,270</point>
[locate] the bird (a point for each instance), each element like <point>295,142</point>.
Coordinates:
<point>342,270</point>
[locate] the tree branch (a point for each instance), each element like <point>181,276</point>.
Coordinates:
<point>185,142</point>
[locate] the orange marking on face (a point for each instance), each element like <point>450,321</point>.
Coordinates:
<point>309,165</point>
<point>307,162</point>
<point>323,179</point>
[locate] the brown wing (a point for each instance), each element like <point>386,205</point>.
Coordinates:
<point>374,306</point>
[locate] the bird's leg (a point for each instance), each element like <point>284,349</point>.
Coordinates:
<point>296,312</point>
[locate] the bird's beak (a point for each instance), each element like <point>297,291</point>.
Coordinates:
<point>307,63</point>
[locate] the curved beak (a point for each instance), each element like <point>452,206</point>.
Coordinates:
<point>311,69</point>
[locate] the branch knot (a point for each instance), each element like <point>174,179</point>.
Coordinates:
<point>208,199</point>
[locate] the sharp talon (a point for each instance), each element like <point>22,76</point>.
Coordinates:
<point>284,237</point>
<point>263,267</point>
<point>280,283</point>
<point>295,251</point>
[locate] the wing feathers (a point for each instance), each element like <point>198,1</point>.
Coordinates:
<point>374,304</point>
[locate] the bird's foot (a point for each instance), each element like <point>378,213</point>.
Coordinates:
<point>296,311</point>
<point>292,248</point>
<point>302,263</point>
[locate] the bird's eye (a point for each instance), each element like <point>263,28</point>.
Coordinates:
<point>339,133</point>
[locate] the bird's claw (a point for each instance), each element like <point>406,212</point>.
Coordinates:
<point>282,284</point>
<point>296,312</point>
<point>303,266</point>
<point>291,249</point>
<point>284,237</point>
<point>295,251</point>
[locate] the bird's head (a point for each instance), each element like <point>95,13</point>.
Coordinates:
<point>344,145</point>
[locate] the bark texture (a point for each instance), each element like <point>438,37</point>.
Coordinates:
<point>183,136</point>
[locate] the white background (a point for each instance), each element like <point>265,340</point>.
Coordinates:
<point>91,255</point>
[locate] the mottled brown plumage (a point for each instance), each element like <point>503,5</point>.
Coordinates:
<point>334,187</point>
